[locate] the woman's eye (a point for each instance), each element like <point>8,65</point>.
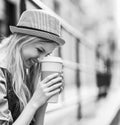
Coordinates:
<point>48,54</point>
<point>39,50</point>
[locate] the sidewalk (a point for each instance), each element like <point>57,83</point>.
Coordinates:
<point>102,112</point>
<point>66,113</point>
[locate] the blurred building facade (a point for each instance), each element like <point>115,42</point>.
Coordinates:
<point>72,12</point>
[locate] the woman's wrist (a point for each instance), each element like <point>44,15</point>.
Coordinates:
<point>27,114</point>
<point>33,104</point>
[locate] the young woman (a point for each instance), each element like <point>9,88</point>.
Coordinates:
<point>23,96</point>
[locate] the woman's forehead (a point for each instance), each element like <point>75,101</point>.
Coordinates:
<point>36,41</point>
<point>45,41</point>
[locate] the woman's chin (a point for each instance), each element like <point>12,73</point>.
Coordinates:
<point>28,64</point>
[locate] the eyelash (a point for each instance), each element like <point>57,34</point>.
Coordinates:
<point>39,50</point>
<point>48,54</point>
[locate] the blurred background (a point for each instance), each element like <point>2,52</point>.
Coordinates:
<point>91,58</point>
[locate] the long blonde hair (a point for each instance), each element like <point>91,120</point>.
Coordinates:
<point>10,53</point>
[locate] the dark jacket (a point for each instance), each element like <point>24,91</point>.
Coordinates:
<point>9,102</point>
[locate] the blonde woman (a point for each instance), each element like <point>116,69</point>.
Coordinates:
<point>23,97</point>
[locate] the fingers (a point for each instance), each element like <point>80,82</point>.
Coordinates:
<point>50,77</point>
<point>61,89</point>
<point>55,86</point>
<point>47,88</point>
<point>56,91</point>
<point>50,83</point>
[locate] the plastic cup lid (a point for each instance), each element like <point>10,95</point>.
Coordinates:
<point>52,59</point>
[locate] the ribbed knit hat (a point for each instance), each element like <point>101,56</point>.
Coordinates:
<point>39,23</point>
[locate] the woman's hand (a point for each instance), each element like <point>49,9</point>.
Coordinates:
<point>45,89</point>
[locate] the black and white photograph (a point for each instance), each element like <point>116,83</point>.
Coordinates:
<point>59,62</point>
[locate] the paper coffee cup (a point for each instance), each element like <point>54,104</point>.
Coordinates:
<point>50,65</point>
